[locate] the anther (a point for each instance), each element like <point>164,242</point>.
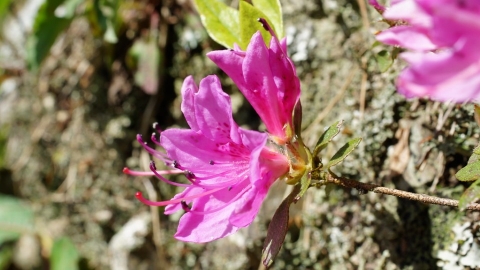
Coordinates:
<point>264,23</point>
<point>190,176</point>
<point>140,139</point>
<point>153,167</point>
<point>185,206</point>
<point>156,126</point>
<point>175,164</point>
<point>153,138</point>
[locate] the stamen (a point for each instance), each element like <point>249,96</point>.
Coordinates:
<point>197,181</point>
<point>152,151</point>
<point>142,199</point>
<point>267,27</point>
<point>265,24</point>
<point>239,53</point>
<point>177,165</point>
<point>185,206</point>
<point>153,138</point>
<point>141,173</point>
<point>156,126</point>
<point>190,176</point>
<point>153,168</point>
<point>218,185</point>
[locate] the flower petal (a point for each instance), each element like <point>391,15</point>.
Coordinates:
<point>408,37</point>
<point>189,89</point>
<point>213,111</point>
<point>252,72</point>
<point>172,208</point>
<point>446,76</point>
<point>230,62</point>
<point>410,11</point>
<point>199,228</point>
<point>205,228</point>
<point>285,79</point>
<point>247,208</point>
<point>262,92</point>
<point>450,28</point>
<point>204,157</point>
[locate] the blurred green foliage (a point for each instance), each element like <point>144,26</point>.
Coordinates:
<point>48,25</point>
<point>64,255</point>
<point>55,16</point>
<point>15,218</point>
<point>4,7</point>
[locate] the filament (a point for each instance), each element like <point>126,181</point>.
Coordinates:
<point>142,199</point>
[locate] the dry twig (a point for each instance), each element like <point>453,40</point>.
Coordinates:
<point>365,187</point>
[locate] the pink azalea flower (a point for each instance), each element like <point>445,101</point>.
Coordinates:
<point>229,169</point>
<point>444,37</point>
<point>267,78</point>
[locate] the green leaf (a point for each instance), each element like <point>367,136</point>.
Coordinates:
<point>343,152</point>
<point>475,155</point>
<point>221,21</point>
<point>249,24</point>
<point>470,195</point>
<point>327,137</point>
<point>395,52</point>
<point>476,114</point>
<point>273,11</point>
<point>47,27</point>
<point>304,184</point>
<point>476,150</point>
<point>64,255</point>
<point>15,218</point>
<point>384,60</point>
<point>277,229</point>
<point>471,172</point>
<point>376,43</point>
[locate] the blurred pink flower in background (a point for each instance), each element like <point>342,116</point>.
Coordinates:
<point>268,80</point>
<point>443,39</point>
<point>229,169</point>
